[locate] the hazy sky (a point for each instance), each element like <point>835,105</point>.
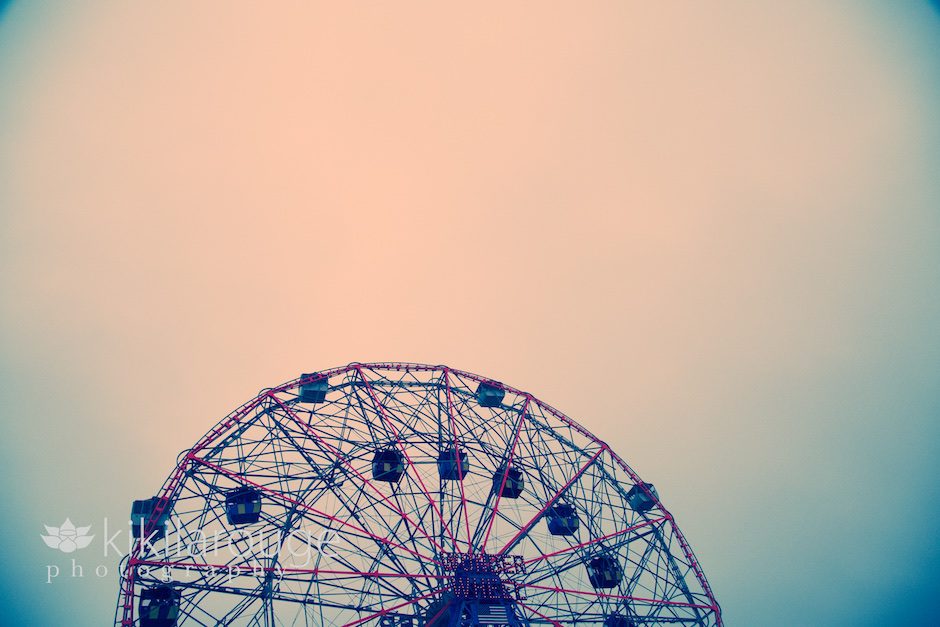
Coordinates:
<point>709,232</point>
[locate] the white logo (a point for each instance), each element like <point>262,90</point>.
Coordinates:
<point>67,538</point>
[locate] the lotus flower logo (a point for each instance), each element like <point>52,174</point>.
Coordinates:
<point>67,538</point>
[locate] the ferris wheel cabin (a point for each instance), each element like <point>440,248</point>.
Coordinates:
<point>618,620</point>
<point>313,391</point>
<point>159,606</point>
<point>142,512</point>
<point>604,571</point>
<point>641,500</point>
<point>490,395</point>
<point>448,466</point>
<point>388,465</point>
<point>243,506</point>
<point>513,486</point>
<point>562,520</point>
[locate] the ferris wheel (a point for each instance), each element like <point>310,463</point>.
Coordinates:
<point>407,495</point>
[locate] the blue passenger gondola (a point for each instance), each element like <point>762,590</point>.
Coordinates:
<point>243,506</point>
<point>641,500</point>
<point>388,465</point>
<point>313,391</point>
<point>159,606</point>
<point>604,572</point>
<point>618,620</point>
<point>448,467</point>
<point>562,520</point>
<point>514,485</point>
<point>141,513</point>
<point>490,395</point>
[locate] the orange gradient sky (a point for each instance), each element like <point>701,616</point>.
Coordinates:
<point>709,232</point>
